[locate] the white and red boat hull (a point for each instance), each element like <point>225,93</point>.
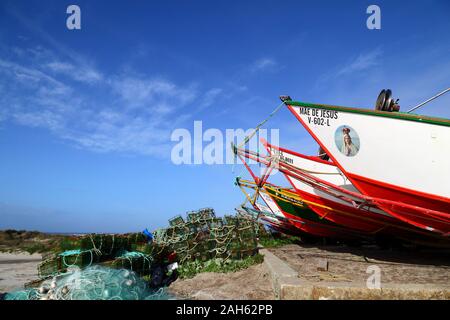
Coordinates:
<point>399,158</point>
<point>366,219</point>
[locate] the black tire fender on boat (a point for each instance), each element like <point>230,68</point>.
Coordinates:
<point>388,100</point>
<point>380,100</point>
<point>385,102</point>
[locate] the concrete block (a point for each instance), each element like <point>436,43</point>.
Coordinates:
<point>322,264</point>
<point>287,285</point>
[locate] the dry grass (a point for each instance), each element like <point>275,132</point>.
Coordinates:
<point>31,241</point>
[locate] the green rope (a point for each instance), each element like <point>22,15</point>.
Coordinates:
<point>78,253</point>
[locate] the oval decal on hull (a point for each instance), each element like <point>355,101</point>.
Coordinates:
<point>347,141</point>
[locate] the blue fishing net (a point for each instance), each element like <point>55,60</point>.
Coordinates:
<point>92,283</point>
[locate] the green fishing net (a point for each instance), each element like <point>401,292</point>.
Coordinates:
<point>92,283</point>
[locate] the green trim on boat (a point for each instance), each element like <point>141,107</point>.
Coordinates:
<point>393,115</point>
<point>289,206</point>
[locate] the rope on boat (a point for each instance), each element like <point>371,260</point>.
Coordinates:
<point>248,137</point>
<point>258,214</point>
<point>278,158</point>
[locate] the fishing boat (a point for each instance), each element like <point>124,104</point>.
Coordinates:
<point>326,204</point>
<point>399,160</point>
<point>338,200</point>
<point>266,211</point>
<point>354,214</point>
<point>294,209</point>
<point>335,206</point>
<point>267,219</point>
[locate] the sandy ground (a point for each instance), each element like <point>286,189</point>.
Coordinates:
<point>17,269</point>
<point>349,265</point>
<point>251,283</point>
<point>344,265</point>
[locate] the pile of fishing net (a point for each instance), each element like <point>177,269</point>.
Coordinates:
<point>203,236</point>
<point>128,251</point>
<point>92,283</point>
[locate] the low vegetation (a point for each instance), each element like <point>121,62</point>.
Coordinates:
<point>277,240</point>
<point>267,240</point>
<point>191,268</point>
<point>33,242</point>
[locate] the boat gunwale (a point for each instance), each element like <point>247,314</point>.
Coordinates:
<point>300,155</point>
<point>386,114</point>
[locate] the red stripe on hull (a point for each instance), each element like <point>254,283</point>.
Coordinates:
<point>349,221</point>
<point>282,227</point>
<point>379,190</point>
<point>357,219</point>
<point>315,229</point>
<point>311,227</point>
<point>387,191</point>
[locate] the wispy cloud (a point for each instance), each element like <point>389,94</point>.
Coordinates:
<point>352,69</point>
<point>362,62</point>
<point>82,74</point>
<point>128,113</point>
<point>33,25</point>
<point>45,119</point>
<point>263,64</point>
<point>209,98</point>
<point>20,72</point>
<point>162,95</point>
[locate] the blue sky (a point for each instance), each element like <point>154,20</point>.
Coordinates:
<point>86,115</point>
